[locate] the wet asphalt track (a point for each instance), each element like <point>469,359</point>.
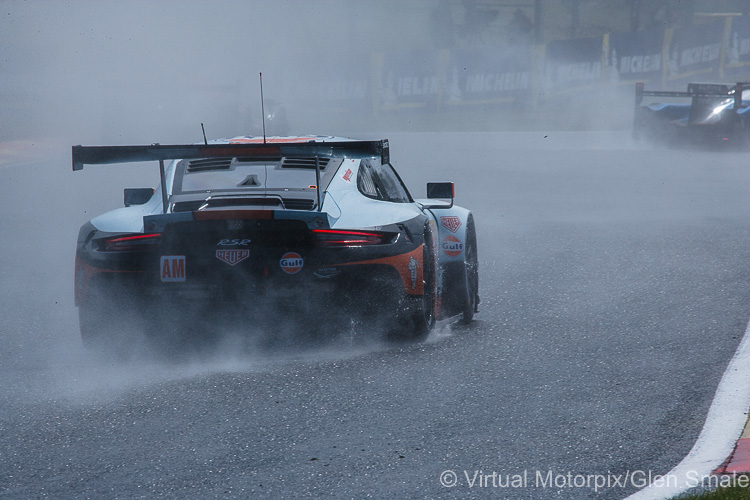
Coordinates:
<point>615,288</point>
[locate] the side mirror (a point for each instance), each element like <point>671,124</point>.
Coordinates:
<point>137,196</point>
<point>441,190</point>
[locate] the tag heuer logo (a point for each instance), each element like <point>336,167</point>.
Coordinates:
<point>232,257</point>
<point>450,222</point>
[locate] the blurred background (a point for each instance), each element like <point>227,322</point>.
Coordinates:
<point>118,72</point>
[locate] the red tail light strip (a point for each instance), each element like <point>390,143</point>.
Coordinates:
<point>339,238</point>
<point>134,242</point>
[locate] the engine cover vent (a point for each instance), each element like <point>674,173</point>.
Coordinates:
<point>298,204</point>
<point>304,163</point>
<point>209,164</point>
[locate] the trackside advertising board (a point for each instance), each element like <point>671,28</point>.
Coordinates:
<point>487,77</point>
<point>736,64</point>
<point>573,65</point>
<point>407,81</point>
<point>428,81</point>
<point>693,52</point>
<point>634,57</point>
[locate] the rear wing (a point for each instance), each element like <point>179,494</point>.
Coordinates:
<point>696,90</point>
<point>100,155</point>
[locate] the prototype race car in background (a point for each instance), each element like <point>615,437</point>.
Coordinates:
<point>259,230</point>
<point>716,114</point>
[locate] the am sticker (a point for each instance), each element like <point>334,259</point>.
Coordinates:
<point>172,268</point>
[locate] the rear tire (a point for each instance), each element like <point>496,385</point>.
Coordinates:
<point>111,324</point>
<point>418,314</point>
<point>471,266</point>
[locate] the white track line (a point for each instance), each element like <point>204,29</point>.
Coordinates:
<point>724,424</point>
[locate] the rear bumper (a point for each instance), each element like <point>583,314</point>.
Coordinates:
<point>156,277</point>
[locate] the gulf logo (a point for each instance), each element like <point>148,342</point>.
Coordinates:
<point>291,262</point>
<point>452,246</point>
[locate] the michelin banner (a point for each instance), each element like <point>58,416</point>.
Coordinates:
<point>693,52</point>
<point>633,57</point>
<point>573,65</point>
<point>736,64</point>
<point>487,77</point>
<point>436,81</point>
<point>407,81</point>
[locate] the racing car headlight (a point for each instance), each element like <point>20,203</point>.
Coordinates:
<point>131,243</point>
<point>721,107</point>
<point>336,238</point>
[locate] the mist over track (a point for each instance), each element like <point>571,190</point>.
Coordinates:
<point>615,289</point>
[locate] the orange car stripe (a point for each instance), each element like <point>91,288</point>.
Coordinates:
<point>84,272</point>
<point>401,264</point>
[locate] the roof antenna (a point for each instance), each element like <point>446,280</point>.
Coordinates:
<point>204,135</point>
<point>262,109</point>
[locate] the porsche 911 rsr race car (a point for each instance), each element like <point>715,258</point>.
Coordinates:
<point>715,115</point>
<point>262,230</point>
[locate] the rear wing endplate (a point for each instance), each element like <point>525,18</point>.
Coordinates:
<point>100,155</point>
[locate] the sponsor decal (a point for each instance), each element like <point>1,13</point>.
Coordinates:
<point>452,246</point>
<point>326,272</point>
<point>347,175</point>
<point>450,222</point>
<point>232,257</point>
<point>413,266</point>
<point>233,243</point>
<point>172,268</point>
<point>291,262</point>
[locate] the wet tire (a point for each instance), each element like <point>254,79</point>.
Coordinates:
<point>471,274</point>
<point>417,317</point>
<point>110,322</point>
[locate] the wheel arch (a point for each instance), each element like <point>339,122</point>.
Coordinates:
<point>451,228</point>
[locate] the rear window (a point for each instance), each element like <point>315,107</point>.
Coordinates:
<point>380,181</point>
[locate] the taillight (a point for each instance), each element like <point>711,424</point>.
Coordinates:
<point>131,243</point>
<point>336,238</point>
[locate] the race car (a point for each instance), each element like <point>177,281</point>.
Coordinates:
<point>261,231</point>
<point>716,115</point>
